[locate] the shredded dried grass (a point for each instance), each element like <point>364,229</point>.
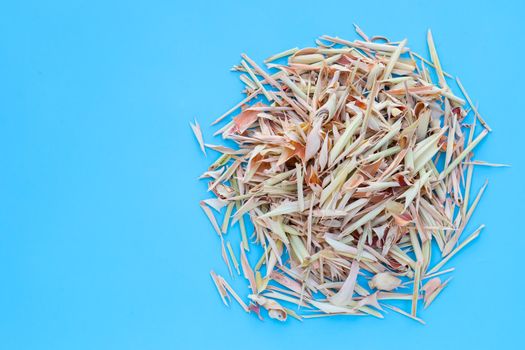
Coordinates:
<point>338,168</point>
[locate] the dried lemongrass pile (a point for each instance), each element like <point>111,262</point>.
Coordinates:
<point>350,165</point>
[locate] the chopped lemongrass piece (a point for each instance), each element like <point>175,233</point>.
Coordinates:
<point>198,135</point>
<point>398,310</point>
<point>480,162</point>
<point>281,55</point>
<point>220,288</point>
<point>232,292</point>
<point>457,249</point>
<point>474,108</point>
<point>232,256</point>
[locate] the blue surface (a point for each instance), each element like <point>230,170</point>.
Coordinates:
<point>102,242</point>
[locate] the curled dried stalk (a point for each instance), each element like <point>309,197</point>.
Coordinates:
<point>351,165</point>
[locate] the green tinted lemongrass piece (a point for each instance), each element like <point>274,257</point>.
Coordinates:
<point>225,129</point>
<point>233,258</point>
<point>327,61</point>
<point>415,295</point>
<point>262,259</point>
<point>277,229</point>
<point>294,87</point>
<point>450,142</point>
<point>256,80</point>
<point>481,120</point>
<point>414,190</point>
<point>387,48</point>
<point>244,196</point>
<point>426,150</point>
<point>345,138</point>
<point>424,144</point>
<point>250,204</point>
<point>432,275</point>
<point>248,82</point>
<point>291,230</point>
<point>450,244</point>
<point>423,124</point>
<point>446,93</point>
<point>242,228</point>
<point>227,174</point>
<point>341,247</point>
<point>397,253</point>
<point>435,60</point>
<point>222,160</point>
<point>306,58</point>
<point>225,150</point>
<point>424,60</point>
<point>393,296</point>
<point>327,213</point>
<point>463,154</point>
<point>275,84</point>
<point>369,216</point>
<point>237,106</point>
<point>227,215</point>
<point>393,59</point>
<point>398,310</point>
<point>386,153</point>
<point>369,105</point>
<point>260,282</point>
<point>281,55</point>
<point>225,257</point>
<point>329,308</point>
<point>300,195</point>
<point>415,243</point>
<point>335,51</point>
<point>247,270</point>
<point>394,130</point>
<point>469,170</point>
<point>279,177</point>
<point>285,208</point>
<point>378,186</point>
<point>457,250</point>
<point>284,297</point>
<point>360,290</point>
<point>370,311</point>
<point>298,248</point>
<point>351,150</point>
<point>395,80</point>
<point>466,197</point>
<point>344,170</point>
<point>483,163</point>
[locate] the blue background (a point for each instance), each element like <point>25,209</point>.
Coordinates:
<point>102,242</point>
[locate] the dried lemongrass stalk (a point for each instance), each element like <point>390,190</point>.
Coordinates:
<point>338,168</point>
<point>198,135</point>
